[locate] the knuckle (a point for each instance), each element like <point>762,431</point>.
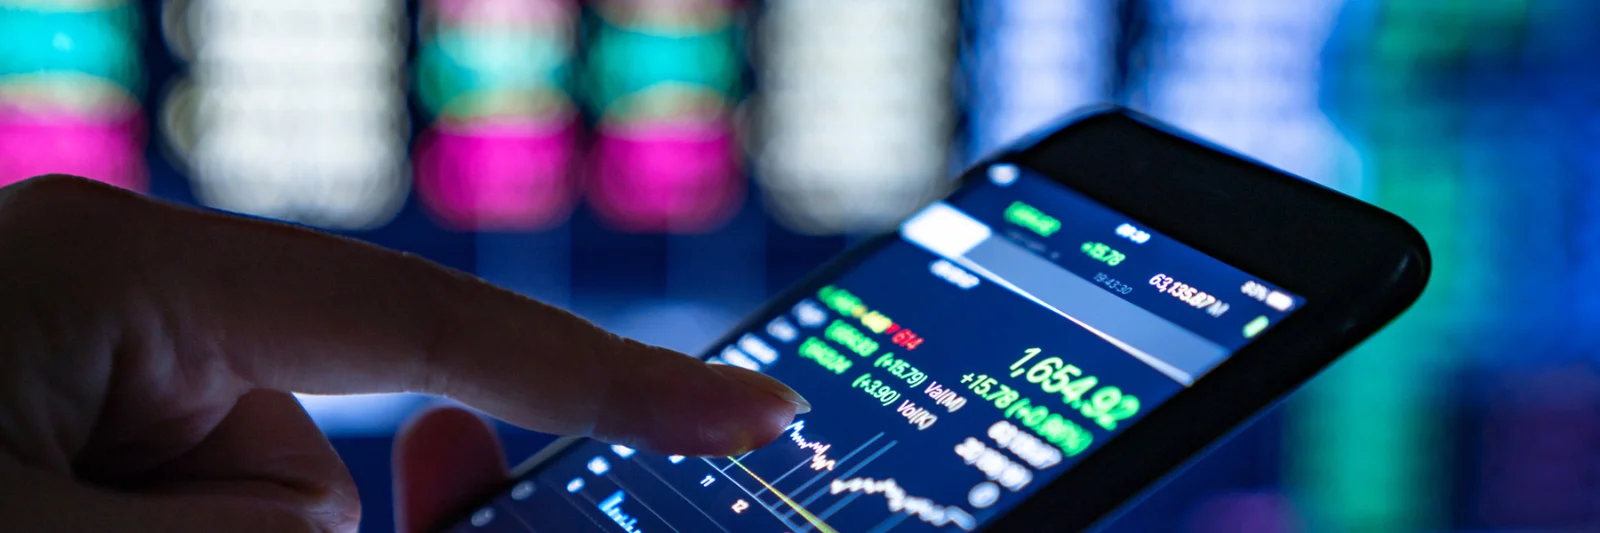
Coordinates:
<point>56,188</point>
<point>61,228</point>
<point>60,209</point>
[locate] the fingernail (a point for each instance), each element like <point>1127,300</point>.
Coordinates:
<point>766,384</point>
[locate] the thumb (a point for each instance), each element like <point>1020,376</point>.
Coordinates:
<point>52,502</point>
<point>264,467</point>
<point>444,461</point>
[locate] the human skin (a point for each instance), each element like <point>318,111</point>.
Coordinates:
<point>148,353</point>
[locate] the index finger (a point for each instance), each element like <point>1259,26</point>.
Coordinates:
<point>292,309</point>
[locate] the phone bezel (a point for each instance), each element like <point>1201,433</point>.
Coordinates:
<point>1357,266</point>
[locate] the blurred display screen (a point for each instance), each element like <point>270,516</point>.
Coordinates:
<point>660,165</point>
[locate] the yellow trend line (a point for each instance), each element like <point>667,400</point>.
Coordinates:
<point>815,522</point>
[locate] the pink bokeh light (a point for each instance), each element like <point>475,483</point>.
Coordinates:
<point>505,174</point>
<point>678,176</point>
<point>102,148</point>
<point>502,11</point>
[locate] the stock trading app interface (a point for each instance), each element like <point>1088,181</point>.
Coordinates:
<point>1010,331</point>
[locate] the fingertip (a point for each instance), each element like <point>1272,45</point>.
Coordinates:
<point>765,433</point>
<point>764,383</point>
<point>680,405</point>
<point>725,434</point>
<point>445,460</point>
<point>778,416</point>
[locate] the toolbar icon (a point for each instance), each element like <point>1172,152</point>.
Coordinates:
<point>983,495</point>
<point>1255,326</point>
<point>483,517</point>
<point>599,466</point>
<point>1003,175</point>
<point>809,314</point>
<point>522,491</point>
<point>1279,301</point>
<point>733,356</point>
<point>758,349</point>
<point>780,328</point>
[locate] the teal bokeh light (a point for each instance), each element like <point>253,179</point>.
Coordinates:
<point>101,42</point>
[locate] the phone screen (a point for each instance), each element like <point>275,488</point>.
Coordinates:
<point>1007,333</point>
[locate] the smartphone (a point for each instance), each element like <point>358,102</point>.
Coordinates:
<point>1080,316</point>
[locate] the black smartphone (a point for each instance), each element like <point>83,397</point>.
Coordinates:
<point>1081,315</point>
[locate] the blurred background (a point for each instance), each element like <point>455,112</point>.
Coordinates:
<point>662,166</point>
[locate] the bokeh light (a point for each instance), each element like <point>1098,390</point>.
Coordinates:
<point>662,77</point>
<point>108,148</point>
<point>501,152</point>
<point>638,44</point>
<point>677,172</point>
<point>508,174</point>
<point>1030,62</point>
<point>856,115</point>
<point>292,108</point>
<point>1253,88</point>
<point>70,75</point>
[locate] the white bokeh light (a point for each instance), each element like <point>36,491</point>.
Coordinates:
<point>855,117</point>
<point>1031,62</point>
<point>1247,75</point>
<point>293,108</point>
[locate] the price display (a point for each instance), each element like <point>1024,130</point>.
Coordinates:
<point>1189,294</point>
<point>1102,253</point>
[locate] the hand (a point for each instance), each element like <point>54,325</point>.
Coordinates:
<point>147,353</point>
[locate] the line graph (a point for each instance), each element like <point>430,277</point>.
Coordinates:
<point>769,477</point>
<point>819,455</point>
<point>669,485</point>
<point>778,495</point>
<point>810,518</point>
<point>824,490</point>
<point>899,501</point>
<point>612,507</point>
